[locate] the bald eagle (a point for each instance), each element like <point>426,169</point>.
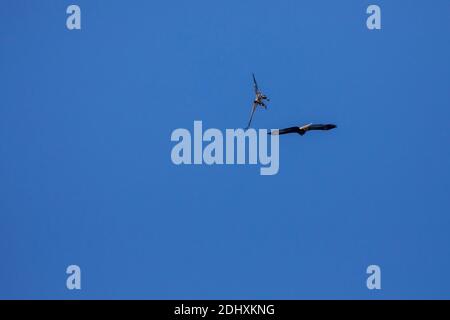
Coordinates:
<point>302,130</point>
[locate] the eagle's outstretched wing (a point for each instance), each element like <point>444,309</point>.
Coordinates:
<point>322,126</point>
<point>251,115</point>
<point>302,130</point>
<point>285,131</point>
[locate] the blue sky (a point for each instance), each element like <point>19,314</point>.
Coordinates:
<point>86,176</point>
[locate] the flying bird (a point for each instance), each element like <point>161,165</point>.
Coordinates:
<point>302,130</point>
<point>259,100</point>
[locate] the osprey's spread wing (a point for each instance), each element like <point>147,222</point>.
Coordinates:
<point>251,115</point>
<point>255,84</point>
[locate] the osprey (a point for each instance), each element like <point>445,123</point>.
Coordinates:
<point>302,130</point>
<point>258,101</point>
